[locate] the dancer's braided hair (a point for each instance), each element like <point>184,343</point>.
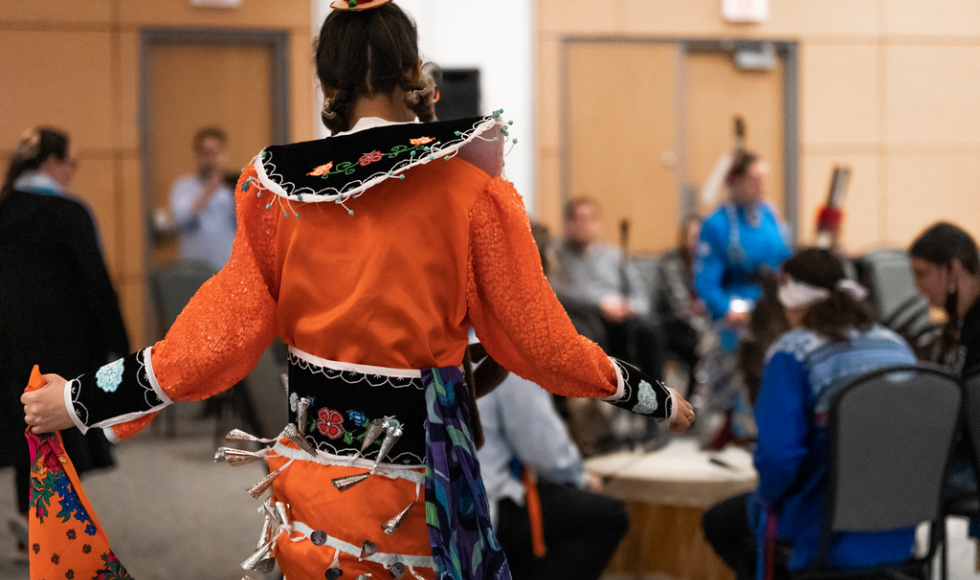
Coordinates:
<point>368,53</point>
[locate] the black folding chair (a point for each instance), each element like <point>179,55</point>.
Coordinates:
<point>173,287</point>
<point>891,432</point>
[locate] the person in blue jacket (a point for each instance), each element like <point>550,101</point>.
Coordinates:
<point>741,237</point>
<point>833,339</point>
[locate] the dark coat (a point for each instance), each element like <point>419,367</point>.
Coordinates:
<point>58,310</point>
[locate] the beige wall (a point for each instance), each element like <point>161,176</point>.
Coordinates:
<point>74,64</point>
<point>890,87</point>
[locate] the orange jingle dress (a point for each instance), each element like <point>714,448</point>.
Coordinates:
<point>374,294</point>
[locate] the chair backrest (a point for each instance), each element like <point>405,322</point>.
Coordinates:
<point>888,275</point>
<point>647,268</point>
<point>263,388</point>
<point>891,436</point>
<point>175,284</point>
<point>971,412</point>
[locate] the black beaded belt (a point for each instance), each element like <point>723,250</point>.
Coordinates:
<point>345,399</point>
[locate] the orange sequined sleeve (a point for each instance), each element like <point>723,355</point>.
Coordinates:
<point>514,310</point>
<point>230,321</point>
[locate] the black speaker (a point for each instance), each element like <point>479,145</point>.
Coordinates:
<point>459,93</point>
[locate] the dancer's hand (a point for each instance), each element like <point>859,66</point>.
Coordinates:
<point>685,413</point>
<point>44,409</point>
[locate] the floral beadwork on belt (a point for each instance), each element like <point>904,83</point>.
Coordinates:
<point>332,424</point>
<point>341,405</point>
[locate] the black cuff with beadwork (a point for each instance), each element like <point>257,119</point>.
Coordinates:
<point>118,392</point>
<point>642,394</point>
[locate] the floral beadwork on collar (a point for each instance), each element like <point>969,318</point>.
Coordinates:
<point>350,167</point>
<point>330,170</point>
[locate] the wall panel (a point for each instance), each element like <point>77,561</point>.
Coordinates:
<point>578,16</point>
<point>56,12</point>
<point>839,92</point>
<point>94,183</point>
<point>933,94</point>
<point>255,14</point>
<point>703,18</point>
<point>73,92</point>
<point>131,220</point>
<point>922,189</point>
<point>934,17</point>
<point>127,129</point>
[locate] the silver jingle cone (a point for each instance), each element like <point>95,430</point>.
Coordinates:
<point>281,510</point>
<point>293,434</point>
<point>239,435</point>
<point>375,429</point>
<point>345,483</point>
<point>284,377</point>
<point>261,554</point>
<point>237,457</point>
<point>263,484</point>
<point>391,437</point>
<point>302,406</point>
<point>266,566</point>
<point>265,538</point>
<point>392,525</point>
<point>364,577</point>
<point>269,509</point>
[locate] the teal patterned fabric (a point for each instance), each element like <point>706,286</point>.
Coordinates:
<point>462,540</point>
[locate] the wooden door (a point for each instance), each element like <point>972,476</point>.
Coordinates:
<point>716,93</point>
<point>204,85</point>
<point>620,137</point>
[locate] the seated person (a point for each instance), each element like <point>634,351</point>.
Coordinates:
<point>600,291</point>
<point>946,268</point>
<point>742,237</point>
<point>581,528</point>
<point>682,312</point>
<point>833,338</point>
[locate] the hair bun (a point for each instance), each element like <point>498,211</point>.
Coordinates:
<point>29,144</point>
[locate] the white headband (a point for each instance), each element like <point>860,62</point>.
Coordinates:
<point>796,294</point>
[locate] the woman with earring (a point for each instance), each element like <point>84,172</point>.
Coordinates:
<point>946,267</point>
<point>370,253</point>
<point>57,304</point>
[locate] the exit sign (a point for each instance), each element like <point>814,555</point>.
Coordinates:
<point>745,10</point>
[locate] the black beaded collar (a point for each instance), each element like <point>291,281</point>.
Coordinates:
<point>342,167</point>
